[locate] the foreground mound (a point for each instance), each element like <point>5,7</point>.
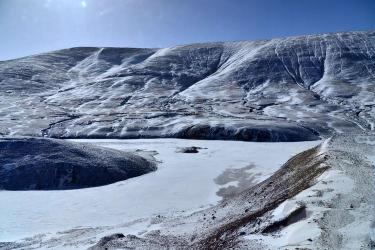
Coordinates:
<point>45,164</point>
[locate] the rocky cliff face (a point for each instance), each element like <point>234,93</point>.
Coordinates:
<point>286,89</point>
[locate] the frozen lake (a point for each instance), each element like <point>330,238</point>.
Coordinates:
<point>183,183</point>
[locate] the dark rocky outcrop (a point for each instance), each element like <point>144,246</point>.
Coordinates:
<point>47,164</point>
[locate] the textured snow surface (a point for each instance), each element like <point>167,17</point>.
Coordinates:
<point>339,208</point>
<point>286,89</point>
<point>183,183</point>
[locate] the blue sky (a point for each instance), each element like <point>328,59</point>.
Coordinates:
<point>34,26</point>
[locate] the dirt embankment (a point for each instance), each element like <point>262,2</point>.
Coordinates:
<point>296,175</point>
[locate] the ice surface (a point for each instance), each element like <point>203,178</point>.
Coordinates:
<point>183,183</point>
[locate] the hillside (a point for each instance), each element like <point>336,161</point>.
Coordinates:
<point>287,89</point>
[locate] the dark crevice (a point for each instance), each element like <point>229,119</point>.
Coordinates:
<point>45,131</point>
<point>295,216</point>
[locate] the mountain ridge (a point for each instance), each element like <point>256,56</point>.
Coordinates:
<point>194,43</point>
<point>263,90</point>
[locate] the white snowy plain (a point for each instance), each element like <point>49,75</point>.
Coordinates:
<point>183,183</point>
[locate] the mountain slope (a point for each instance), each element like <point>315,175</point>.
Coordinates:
<point>286,89</point>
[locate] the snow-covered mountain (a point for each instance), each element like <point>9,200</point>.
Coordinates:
<point>227,194</point>
<point>285,89</point>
